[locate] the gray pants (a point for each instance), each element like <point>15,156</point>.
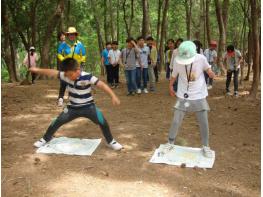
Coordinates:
<point>202,119</point>
<point>91,112</point>
<point>151,77</point>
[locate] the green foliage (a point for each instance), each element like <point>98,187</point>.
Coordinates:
<point>4,72</point>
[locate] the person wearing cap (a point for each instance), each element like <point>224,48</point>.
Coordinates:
<point>211,56</point>
<point>191,93</point>
<point>31,61</point>
<point>232,59</point>
<point>71,48</point>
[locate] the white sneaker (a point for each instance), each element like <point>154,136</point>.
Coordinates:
<point>228,94</point>
<point>60,102</point>
<point>209,87</point>
<point>145,91</point>
<point>40,143</point>
<point>115,145</point>
<point>207,152</point>
<point>139,91</point>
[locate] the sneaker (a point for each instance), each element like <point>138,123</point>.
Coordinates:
<point>209,87</point>
<point>139,91</point>
<point>40,143</point>
<point>236,93</point>
<point>145,91</point>
<point>207,152</point>
<point>129,93</point>
<point>133,93</point>
<point>228,93</point>
<point>60,102</point>
<point>115,145</point>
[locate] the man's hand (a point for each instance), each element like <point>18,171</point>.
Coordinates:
<point>172,92</point>
<point>33,69</point>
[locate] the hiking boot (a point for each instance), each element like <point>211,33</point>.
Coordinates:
<point>115,145</point>
<point>40,143</point>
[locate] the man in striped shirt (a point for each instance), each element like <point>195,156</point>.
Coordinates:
<point>80,98</point>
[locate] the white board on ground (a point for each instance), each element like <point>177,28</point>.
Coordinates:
<point>181,155</point>
<point>70,146</point>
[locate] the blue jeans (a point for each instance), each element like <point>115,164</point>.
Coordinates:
<point>145,77</point>
<point>138,77</point>
<point>131,80</point>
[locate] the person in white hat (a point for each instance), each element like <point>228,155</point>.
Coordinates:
<point>71,48</point>
<point>31,61</point>
<point>191,93</point>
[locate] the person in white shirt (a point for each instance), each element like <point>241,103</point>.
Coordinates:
<point>142,70</point>
<point>114,58</point>
<point>211,56</point>
<point>192,92</point>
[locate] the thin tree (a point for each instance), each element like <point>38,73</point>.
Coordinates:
<point>159,20</point>
<point>145,19</point>
<point>188,10</point>
<point>207,20</point>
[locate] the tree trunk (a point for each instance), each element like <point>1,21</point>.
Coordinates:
<point>159,21</point>
<point>52,22</point>
<point>163,30</point>
<point>250,54</point>
<point>132,16</point>
<point>118,18</point>
<point>106,32</point>
<point>207,20</point>
<point>188,9</point>
<point>222,38</point>
<point>6,51</point>
<point>255,37</point>
<point>113,29</point>
<point>145,19</point>
<point>33,21</point>
<point>98,30</point>
<point>128,25</point>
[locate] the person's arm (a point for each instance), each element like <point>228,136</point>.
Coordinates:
<point>171,87</point>
<point>136,48</point>
<point>60,50</point>
<point>83,54</point>
<point>210,73</point>
<point>154,55</point>
<point>47,72</point>
<point>115,100</point>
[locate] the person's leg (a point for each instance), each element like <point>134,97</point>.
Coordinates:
<point>33,75</point>
<point>176,123</point>
<point>167,71</point>
<point>63,118</point>
<point>228,80</point>
<point>117,68</point>
<point>151,77</point>
<point>62,89</point>
<point>202,118</point>
<point>96,116</point>
<point>108,73</point>
<point>133,80</point>
<point>111,74</point>
<point>156,74</point>
<point>236,72</point>
<point>127,73</point>
<point>138,77</point>
<point>144,76</point>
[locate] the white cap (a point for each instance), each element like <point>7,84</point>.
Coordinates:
<point>32,48</point>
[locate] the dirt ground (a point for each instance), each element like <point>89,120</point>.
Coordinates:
<point>141,124</point>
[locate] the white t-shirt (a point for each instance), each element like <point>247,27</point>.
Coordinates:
<point>197,86</point>
<point>175,52</point>
<point>114,56</point>
<point>144,53</point>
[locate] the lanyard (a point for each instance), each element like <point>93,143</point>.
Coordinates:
<point>188,76</point>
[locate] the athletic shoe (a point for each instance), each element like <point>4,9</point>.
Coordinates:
<point>115,145</point>
<point>40,143</point>
<point>60,102</point>
<point>228,93</point>
<point>207,152</point>
<point>236,93</point>
<point>209,87</point>
<point>145,91</point>
<point>139,91</point>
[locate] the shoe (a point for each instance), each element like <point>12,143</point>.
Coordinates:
<point>139,91</point>
<point>207,152</point>
<point>145,91</point>
<point>228,93</point>
<point>115,145</point>
<point>40,143</point>
<point>133,93</point>
<point>129,93</point>
<point>236,93</point>
<point>60,102</point>
<point>167,148</point>
<point>116,86</point>
<point>209,87</point>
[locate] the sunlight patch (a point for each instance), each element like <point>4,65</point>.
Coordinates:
<point>182,156</point>
<point>70,146</point>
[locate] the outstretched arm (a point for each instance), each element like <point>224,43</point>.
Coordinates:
<point>47,72</point>
<point>210,73</point>
<point>107,89</point>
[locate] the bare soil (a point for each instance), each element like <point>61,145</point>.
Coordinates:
<point>141,124</point>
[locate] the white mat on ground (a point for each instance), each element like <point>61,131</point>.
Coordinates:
<point>178,155</point>
<point>70,146</point>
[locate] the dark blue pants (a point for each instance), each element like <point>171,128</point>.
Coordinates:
<point>131,80</point>
<point>229,77</point>
<point>91,112</point>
